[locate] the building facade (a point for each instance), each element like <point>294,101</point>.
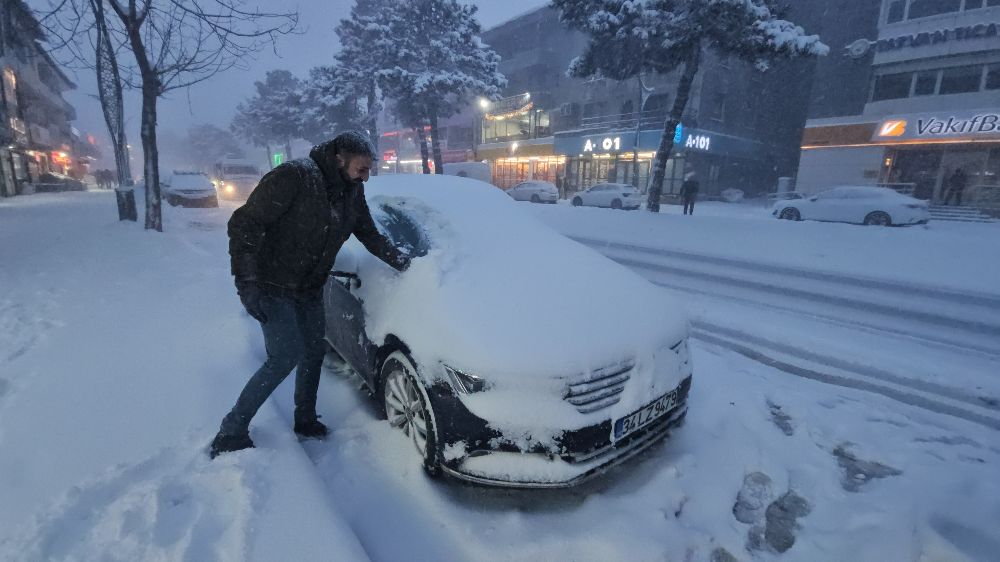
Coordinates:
<point>740,129</point>
<point>35,132</point>
<point>932,106</point>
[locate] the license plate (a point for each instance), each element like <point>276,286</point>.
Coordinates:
<point>643,416</point>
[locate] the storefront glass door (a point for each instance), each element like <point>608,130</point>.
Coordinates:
<point>973,163</point>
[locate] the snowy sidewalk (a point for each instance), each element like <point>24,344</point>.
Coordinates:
<point>120,350</point>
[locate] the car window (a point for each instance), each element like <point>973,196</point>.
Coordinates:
<point>404,232</point>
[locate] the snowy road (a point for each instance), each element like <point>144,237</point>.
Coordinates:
<point>963,325</point>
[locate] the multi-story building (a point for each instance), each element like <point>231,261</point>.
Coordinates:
<point>740,129</point>
<point>35,132</point>
<point>931,105</point>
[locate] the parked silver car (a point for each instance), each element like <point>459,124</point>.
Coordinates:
<point>613,195</point>
<point>536,191</point>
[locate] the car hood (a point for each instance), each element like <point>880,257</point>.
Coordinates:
<point>501,294</point>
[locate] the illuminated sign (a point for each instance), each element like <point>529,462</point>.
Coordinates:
<point>967,124</point>
<point>607,144</point>
<point>892,128</point>
<point>277,158</point>
<point>699,142</point>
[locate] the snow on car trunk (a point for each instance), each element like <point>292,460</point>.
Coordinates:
<point>501,296</point>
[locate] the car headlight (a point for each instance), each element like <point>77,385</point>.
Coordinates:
<point>229,188</point>
<point>466,383</point>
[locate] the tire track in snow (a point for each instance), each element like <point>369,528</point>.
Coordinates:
<point>909,398</point>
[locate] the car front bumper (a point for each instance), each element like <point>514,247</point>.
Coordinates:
<point>491,458</point>
<point>188,201</point>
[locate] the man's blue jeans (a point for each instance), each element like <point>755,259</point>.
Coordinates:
<point>293,336</point>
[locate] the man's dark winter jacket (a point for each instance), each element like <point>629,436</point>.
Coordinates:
<point>287,235</point>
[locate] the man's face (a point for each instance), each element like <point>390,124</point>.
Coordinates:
<point>356,167</point>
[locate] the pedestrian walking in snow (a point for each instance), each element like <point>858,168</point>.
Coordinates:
<point>956,185</point>
<point>283,243</point>
<point>689,192</point>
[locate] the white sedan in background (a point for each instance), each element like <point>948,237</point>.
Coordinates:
<point>613,195</point>
<point>190,189</point>
<point>535,191</point>
<point>856,204</point>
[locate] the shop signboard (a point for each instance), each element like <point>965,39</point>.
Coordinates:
<point>952,125</point>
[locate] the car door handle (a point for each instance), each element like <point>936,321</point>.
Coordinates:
<point>353,279</point>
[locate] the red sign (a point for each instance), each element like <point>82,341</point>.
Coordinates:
<point>388,155</point>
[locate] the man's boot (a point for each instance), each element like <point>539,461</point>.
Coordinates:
<point>225,443</point>
<point>311,428</point>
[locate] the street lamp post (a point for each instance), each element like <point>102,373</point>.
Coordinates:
<point>477,126</point>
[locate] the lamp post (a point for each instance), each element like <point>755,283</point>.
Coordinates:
<point>484,105</point>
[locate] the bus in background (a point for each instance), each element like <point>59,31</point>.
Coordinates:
<point>235,178</point>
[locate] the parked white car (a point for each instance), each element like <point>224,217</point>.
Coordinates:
<point>536,191</point>
<point>613,195</point>
<point>856,204</point>
<point>190,189</point>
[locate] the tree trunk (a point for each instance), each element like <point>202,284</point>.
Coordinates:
<point>424,155</point>
<point>110,93</point>
<point>270,161</point>
<point>150,155</point>
<point>670,128</point>
<point>436,144</point>
<point>288,150</point>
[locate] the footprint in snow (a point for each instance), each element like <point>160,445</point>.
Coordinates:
<point>858,472</point>
<point>175,505</point>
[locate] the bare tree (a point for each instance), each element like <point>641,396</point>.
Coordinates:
<point>109,89</point>
<point>178,43</point>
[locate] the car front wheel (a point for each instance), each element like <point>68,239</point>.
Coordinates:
<point>536,199</point>
<point>408,408</point>
<point>616,204</point>
<point>790,213</point>
<point>878,218</point>
<point>577,202</point>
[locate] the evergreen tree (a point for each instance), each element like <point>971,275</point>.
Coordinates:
<point>274,115</point>
<point>435,63</point>
<point>329,105</point>
<point>207,144</point>
<point>628,37</point>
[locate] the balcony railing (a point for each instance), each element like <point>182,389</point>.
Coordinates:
<point>649,119</point>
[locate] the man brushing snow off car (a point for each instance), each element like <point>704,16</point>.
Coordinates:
<point>283,243</point>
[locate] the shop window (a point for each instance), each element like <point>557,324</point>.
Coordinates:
<point>891,86</point>
<point>961,79</point>
<point>926,8</point>
<point>993,77</point>
<point>896,11</point>
<point>993,3</point>
<point>926,83</point>
<point>656,103</point>
<point>593,109</point>
<point>973,4</point>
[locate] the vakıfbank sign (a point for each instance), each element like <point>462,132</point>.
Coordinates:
<point>968,125</point>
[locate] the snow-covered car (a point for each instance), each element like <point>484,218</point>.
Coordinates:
<point>613,195</point>
<point>492,378</point>
<point>190,189</point>
<point>856,204</point>
<point>536,191</point>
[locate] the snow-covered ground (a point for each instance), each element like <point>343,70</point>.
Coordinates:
<point>867,438</point>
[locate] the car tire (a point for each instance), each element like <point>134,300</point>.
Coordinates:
<point>790,213</point>
<point>535,199</point>
<point>408,408</point>
<point>878,218</point>
<point>577,202</point>
<point>616,204</point>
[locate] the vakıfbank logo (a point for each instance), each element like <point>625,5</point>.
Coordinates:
<point>893,128</point>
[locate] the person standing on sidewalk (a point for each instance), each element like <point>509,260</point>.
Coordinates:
<point>282,244</point>
<point>689,192</point>
<point>956,185</point>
